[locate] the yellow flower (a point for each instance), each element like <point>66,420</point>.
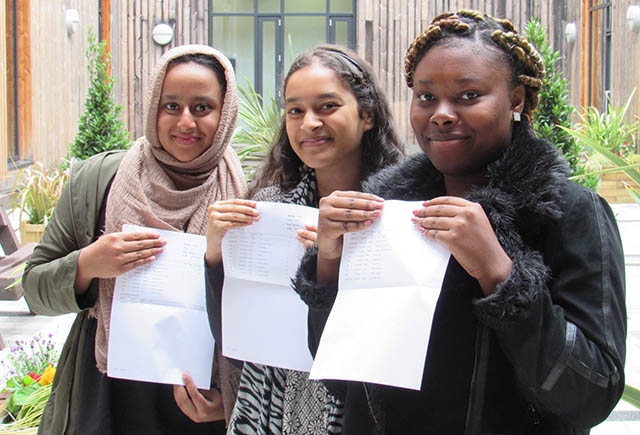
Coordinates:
<point>47,376</point>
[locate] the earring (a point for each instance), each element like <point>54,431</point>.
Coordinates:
<point>516,116</point>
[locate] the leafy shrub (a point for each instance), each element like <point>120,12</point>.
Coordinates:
<point>258,126</point>
<point>100,128</point>
<point>554,109</point>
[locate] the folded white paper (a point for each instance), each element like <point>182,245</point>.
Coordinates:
<point>379,326</point>
<point>263,319</point>
<point>159,323</point>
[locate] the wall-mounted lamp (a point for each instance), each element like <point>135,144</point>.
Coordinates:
<point>71,20</point>
<point>633,18</point>
<point>162,34</point>
<point>570,32</point>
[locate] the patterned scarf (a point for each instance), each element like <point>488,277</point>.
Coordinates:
<point>153,189</point>
<point>305,192</point>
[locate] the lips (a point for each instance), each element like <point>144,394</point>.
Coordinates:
<point>314,141</point>
<point>446,138</point>
<point>186,140</point>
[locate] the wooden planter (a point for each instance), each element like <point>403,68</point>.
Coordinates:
<point>30,232</point>
<point>612,189</point>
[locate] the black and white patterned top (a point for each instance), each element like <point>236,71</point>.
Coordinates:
<point>273,400</point>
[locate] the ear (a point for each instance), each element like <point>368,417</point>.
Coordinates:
<point>368,121</point>
<point>517,98</point>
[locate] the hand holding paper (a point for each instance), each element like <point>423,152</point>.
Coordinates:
<point>159,324</point>
<point>390,279</point>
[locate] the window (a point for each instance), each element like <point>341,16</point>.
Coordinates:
<point>261,37</point>
<point>600,51</point>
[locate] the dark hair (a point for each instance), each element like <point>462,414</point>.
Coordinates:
<point>205,60</point>
<point>381,145</point>
<point>523,59</point>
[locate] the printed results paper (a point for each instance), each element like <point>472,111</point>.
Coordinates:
<point>159,323</point>
<point>263,319</point>
<point>379,326</point>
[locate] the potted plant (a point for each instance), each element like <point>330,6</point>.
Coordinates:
<point>35,194</point>
<point>258,124</point>
<point>29,368</point>
<point>609,136</point>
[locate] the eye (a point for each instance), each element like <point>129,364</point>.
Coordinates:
<point>171,107</point>
<point>293,111</point>
<point>328,106</point>
<point>425,97</point>
<point>469,95</point>
<point>201,108</point>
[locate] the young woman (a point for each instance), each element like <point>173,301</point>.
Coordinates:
<point>165,181</point>
<point>529,329</point>
<point>337,130</point>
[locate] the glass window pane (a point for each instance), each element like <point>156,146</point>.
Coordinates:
<point>234,37</point>
<point>341,29</point>
<point>305,6</point>
<point>233,6</point>
<point>302,33</point>
<point>269,6</point>
<point>341,6</point>
<point>269,63</point>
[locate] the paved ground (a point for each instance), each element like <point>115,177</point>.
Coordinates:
<point>17,323</point>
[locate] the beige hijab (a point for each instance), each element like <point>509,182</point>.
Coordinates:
<point>155,190</point>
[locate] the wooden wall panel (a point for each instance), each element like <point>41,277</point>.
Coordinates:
<point>134,52</point>
<point>626,62</point>
<point>4,108</point>
<point>24,79</point>
<point>59,76</point>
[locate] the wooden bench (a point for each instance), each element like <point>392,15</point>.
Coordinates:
<point>14,256</point>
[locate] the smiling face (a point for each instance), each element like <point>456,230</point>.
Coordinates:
<point>189,110</point>
<point>323,120</point>
<point>461,110</point>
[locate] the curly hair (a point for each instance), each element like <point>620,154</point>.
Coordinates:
<point>381,145</point>
<point>524,60</point>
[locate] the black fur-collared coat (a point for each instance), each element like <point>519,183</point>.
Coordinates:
<point>545,353</point>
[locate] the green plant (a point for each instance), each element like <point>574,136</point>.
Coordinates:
<point>36,191</point>
<point>610,136</point>
<point>610,128</point>
<point>31,370</point>
<point>100,128</point>
<point>631,395</point>
<point>259,123</point>
<point>554,108</point>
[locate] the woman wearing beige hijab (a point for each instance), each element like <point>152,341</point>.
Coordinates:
<point>165,181</point>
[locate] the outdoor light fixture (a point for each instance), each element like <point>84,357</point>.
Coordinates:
<point>633,18</point>
<point>71,20</point>
<point>162,34</point>
<point>570,32</point>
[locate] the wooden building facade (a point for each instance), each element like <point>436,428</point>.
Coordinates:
<point>43,78</point>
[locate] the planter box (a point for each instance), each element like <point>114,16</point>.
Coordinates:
<point>27,431</point>
<point>30,232</point>
<point>612,189</point>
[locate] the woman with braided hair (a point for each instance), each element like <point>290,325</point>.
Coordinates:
<point>528,334</point>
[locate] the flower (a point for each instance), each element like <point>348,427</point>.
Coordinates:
<point>47,375</point>
<point>31,369</point>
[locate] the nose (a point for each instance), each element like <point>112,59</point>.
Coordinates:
<point>444,115</point>
<point>311,121</point>
<point>186,121</point>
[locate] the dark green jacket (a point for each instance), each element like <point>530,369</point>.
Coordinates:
<point>49,277</point>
